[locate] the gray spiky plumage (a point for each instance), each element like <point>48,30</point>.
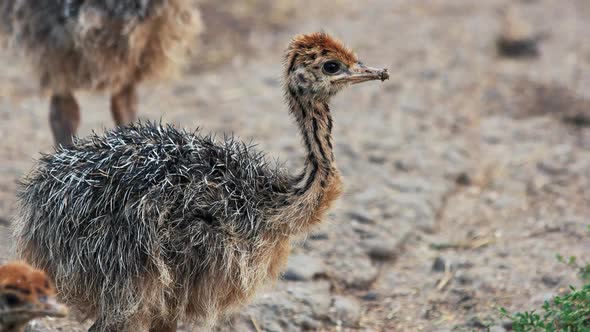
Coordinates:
<point>169,203</point>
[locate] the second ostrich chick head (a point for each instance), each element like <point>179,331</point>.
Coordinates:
<point>318,66</point>
<point>25,294</point>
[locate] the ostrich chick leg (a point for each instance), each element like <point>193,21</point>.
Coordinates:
<point>99,326</point>
<point>64,118</point>
<point>124,105</point>
<point>163,326</point>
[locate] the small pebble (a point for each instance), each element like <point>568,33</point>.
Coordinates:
<point>463,179</point>
<point>362,216</point>
<point>303,267</point>
<point>310,324</point>
<point>356,273</point>
<point>345,310</point>
<point>550,281</point>
<point>381,250</point>
<point>438,265</point>
<point>317,236</point>
<point>464,279</point>
<point>517,38</point>
<point>370,296</point>
<point>508,325</point>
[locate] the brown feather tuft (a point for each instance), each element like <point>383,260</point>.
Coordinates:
<point>306,48</point>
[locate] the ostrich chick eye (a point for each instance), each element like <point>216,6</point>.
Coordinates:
<point>11,300</point>
<point>331,67</point>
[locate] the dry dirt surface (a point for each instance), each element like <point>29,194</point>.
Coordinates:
<point>465,174</point>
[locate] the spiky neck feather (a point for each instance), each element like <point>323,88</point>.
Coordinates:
<point>315,125</point>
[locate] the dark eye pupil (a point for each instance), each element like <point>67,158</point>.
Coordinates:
<point>11,299</point>
<point>331,67</point>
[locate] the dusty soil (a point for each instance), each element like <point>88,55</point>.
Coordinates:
<point>465,174</point>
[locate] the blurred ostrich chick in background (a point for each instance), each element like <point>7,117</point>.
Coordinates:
<point>98,45</point>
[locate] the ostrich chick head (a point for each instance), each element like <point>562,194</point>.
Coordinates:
<point>318,66</point>
<point>25,294</point>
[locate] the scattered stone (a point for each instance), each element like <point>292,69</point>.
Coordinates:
<point>381,250</point>
<point>294,305</point>
<point>361,215</point>
<point>517,38</point>
<point>364,233</point>
<point>402,166</point>
<point>464,279</point>
<point>317,236</point>
<point>272,326</point>
<point>439,264</point>
<point>303,268</point>
<point>345,311</point>
<point>578,120</point>
<point>517,48</point>
<point>508,325</point>
<point>463,179</point>
<point>502,253</point>
<point>561,101</point>
<point>356,273</point>
<point>552,167</point>
<point>377,159</point>
<point>464,265</point>
<point>316,294</point>
<point>370,296</point>
<point>551,281</point>
<point>310,324</point>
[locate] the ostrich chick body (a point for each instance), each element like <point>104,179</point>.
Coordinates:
<point>25,294</point>
<point>147,225</point>
<point>98,45</point>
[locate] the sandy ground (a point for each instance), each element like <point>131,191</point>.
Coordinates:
<point>464,173</point>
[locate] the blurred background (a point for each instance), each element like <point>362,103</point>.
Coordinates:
<point>465,174</point>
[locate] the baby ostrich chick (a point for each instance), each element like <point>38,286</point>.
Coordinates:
<point>147,225</point>
<point>25,294</point>
<point>97,45</point>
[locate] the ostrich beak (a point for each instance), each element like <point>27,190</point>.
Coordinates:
<point>360,73</point>
<point>52,308</point>
<point>42,307</point>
